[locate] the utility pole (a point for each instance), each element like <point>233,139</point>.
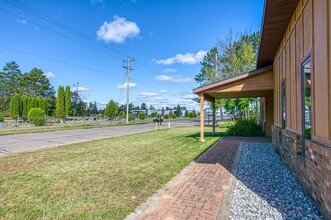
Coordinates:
<point>127,67</point>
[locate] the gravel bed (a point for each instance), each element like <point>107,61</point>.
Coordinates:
<point>265,188</point>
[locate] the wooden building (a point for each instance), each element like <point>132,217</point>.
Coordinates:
<point>293,79</point>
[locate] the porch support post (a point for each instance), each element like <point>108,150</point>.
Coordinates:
<point>202,117</point>
<point>214,115</point>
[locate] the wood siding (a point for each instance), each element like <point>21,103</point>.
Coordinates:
<point>308,32</point>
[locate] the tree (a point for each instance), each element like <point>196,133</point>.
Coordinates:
<point>122,114</point>
<point>111,109</point>
<point>151,107</point>
<point>9,84</point>
<point>186,114</point>
<point>209,72</point>
<point>67,103</point>
<point>143,106</point>
<point>15,106</point>
<point>178,111</point>
<point>141,115</point>
<point>170,113</point>
<point>174,115</point>
<point>24,104</point>
<point>238,54</point>
<point>153,114</point>
<point>60,103</point>
<point>34,83</point>
<point>235,56</point>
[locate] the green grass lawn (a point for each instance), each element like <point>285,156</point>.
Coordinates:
<point>104,179</point>
<point>77,125</point>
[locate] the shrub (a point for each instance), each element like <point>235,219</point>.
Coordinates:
<point>192,115</point>
<point>130,116</point>
<point>245,128</point>
<point>36,116</point>
<point>141,115</point>
<point>227,124</point>
<point>174,115</point>
<point>153,115</point>
<point>166,116</point>
<point>2,117</point>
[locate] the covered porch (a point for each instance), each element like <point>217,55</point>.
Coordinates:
<point>257,83</point>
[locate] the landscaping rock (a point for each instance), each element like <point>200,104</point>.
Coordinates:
<point>265,188</point>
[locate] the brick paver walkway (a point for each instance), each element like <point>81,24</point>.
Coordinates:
<point>198,193</point>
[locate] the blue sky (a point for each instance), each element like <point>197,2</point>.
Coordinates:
<point>86,41</point>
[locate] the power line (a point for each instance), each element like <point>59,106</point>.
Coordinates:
<point>60,34</point>
<point>60,61</point>
<point>50,20</point>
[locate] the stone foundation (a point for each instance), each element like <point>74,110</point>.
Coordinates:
<point>313,172</point>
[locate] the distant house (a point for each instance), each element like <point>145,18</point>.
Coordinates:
<point>293,79</point>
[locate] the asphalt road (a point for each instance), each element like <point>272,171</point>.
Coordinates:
<point>27,142</point>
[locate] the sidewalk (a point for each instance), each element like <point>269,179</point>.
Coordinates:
<point>197,193</point>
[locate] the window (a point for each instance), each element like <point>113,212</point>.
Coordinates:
<point>283,105</point>
<point>306,88</point>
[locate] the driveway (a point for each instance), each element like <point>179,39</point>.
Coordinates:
<point>26,142</point>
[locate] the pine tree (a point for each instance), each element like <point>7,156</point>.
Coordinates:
<point>67,101</point>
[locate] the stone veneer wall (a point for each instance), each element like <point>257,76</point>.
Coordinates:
<point>313,172</point>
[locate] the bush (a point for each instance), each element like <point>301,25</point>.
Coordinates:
<point>130,116</point>
<point>174,115</point>
<point>192,115</point>
<point>141,115</point>
<point>2,117</point>
<point>153,115</point>
<point>166,116</point>
<point>227,124</point>
<point>245,128</point>
<point>37,116</point>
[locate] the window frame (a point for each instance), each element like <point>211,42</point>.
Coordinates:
<point>306,60</point>
<point>283,104</point>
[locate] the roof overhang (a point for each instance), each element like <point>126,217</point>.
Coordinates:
<point>276,17</point>
<point>257,83</point>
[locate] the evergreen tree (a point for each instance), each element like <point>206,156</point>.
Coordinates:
<point>60,102</point>
<point>25,110</point>
<point>67,103</point>
<point>178,111</point>
<point>15,104</point>
<point>35,83</point>
<point>9,80</point>
<point>33,103</point>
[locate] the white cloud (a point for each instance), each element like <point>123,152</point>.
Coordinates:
<point>169,70</point>
<point>124,85</point>
<point>117,30</point>
<point>50,75</point>
<point>187,58</point>
<point>80,89</point>
<point>21,21</point>
<point>174,78</point>
<point>149,94</point>
<point>163,91</point>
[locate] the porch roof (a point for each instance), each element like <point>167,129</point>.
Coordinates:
<point>257,83</point>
